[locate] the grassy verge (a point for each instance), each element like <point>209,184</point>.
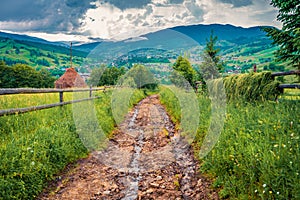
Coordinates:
<point>257,155</point>
<point>35,146</point>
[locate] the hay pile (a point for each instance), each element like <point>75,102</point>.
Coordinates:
<point>70,79</point>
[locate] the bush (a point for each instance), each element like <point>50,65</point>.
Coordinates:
<point>249,87</point>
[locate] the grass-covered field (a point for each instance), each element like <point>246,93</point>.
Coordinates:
<point>257,155</point>
<point>37,54</point>
<point>37,145</point>
<point>34,147</point>
<point>28,100</point>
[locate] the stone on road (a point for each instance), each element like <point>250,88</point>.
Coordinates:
<point>146,159</point>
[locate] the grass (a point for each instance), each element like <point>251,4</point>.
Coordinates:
<point>257,154</point>
<point>34,147</point>
<point>31,53</point>
<point>183,109</point>
<point>37,145</point>
<point>291,94</point>
<point>28,100</point>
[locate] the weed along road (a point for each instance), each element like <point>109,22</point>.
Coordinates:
<point>146,159</point>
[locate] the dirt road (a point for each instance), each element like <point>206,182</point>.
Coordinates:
<point>146,159</point>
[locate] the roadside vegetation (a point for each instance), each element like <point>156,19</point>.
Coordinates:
<point>257,154</point>
<point>36,146</point>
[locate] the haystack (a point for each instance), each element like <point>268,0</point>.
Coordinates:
<point>70,79</point>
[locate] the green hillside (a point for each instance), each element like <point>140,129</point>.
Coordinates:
<point>241,48</point>
<point>240,58</point>
<point>38,55</point>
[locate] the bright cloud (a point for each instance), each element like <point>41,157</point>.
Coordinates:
<point>119,19</point>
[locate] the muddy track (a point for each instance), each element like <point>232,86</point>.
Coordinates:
<point>146,159</point>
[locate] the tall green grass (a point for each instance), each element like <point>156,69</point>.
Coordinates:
<point>257,155</point>
<point>37,145</point>
<point>34,147</point>
<point>28,100</point>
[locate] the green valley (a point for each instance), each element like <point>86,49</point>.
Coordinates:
<point>241,49</point>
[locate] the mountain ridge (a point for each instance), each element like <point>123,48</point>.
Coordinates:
<point>197,32</point>
<point>233,41</point>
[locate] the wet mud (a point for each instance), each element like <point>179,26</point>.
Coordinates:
<point>146,159</point>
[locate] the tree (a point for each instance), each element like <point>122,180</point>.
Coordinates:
<point>46,80</point>
<point>183,73</point>
<point>141,76</point>
<point>211,66</point>
<point>6,76</point>
<point>288,38</point>
<point>111,75</point>
<point>105,75</point>
<point>95,75</point>
<point>21,75</point>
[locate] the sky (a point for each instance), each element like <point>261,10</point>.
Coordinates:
<point>94,20</point>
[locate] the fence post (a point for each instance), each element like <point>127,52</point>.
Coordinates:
<point>61,96</point>
<point>90,91</point>
<point>254,68</point>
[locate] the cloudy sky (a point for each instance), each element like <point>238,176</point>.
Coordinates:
<point>83,20</point>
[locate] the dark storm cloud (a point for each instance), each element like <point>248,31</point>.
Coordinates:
<point>122,4</point>
<point>11,10</point>
<point>175,1</point>
<point>44,15</point>
<point>238,3</point>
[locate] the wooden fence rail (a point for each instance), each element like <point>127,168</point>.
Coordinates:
<point>287,86</point>
<point>36,90</point>
<point>35,108</point>
<point>297,72</point>
<point>41,107</point>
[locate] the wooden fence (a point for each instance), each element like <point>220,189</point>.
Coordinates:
<point>287,86</point>
<point>61,92</point>
<point>61,102</point>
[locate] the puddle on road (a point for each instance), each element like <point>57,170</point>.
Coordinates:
<point>134,175</point>
<point>146,159</point>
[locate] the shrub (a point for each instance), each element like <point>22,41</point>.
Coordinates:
<point>249,87</point>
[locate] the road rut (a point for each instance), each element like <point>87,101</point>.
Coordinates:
<point>146,159</point>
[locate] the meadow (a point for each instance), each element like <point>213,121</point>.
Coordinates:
<point>257,154</point>
<point>36,146</point>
